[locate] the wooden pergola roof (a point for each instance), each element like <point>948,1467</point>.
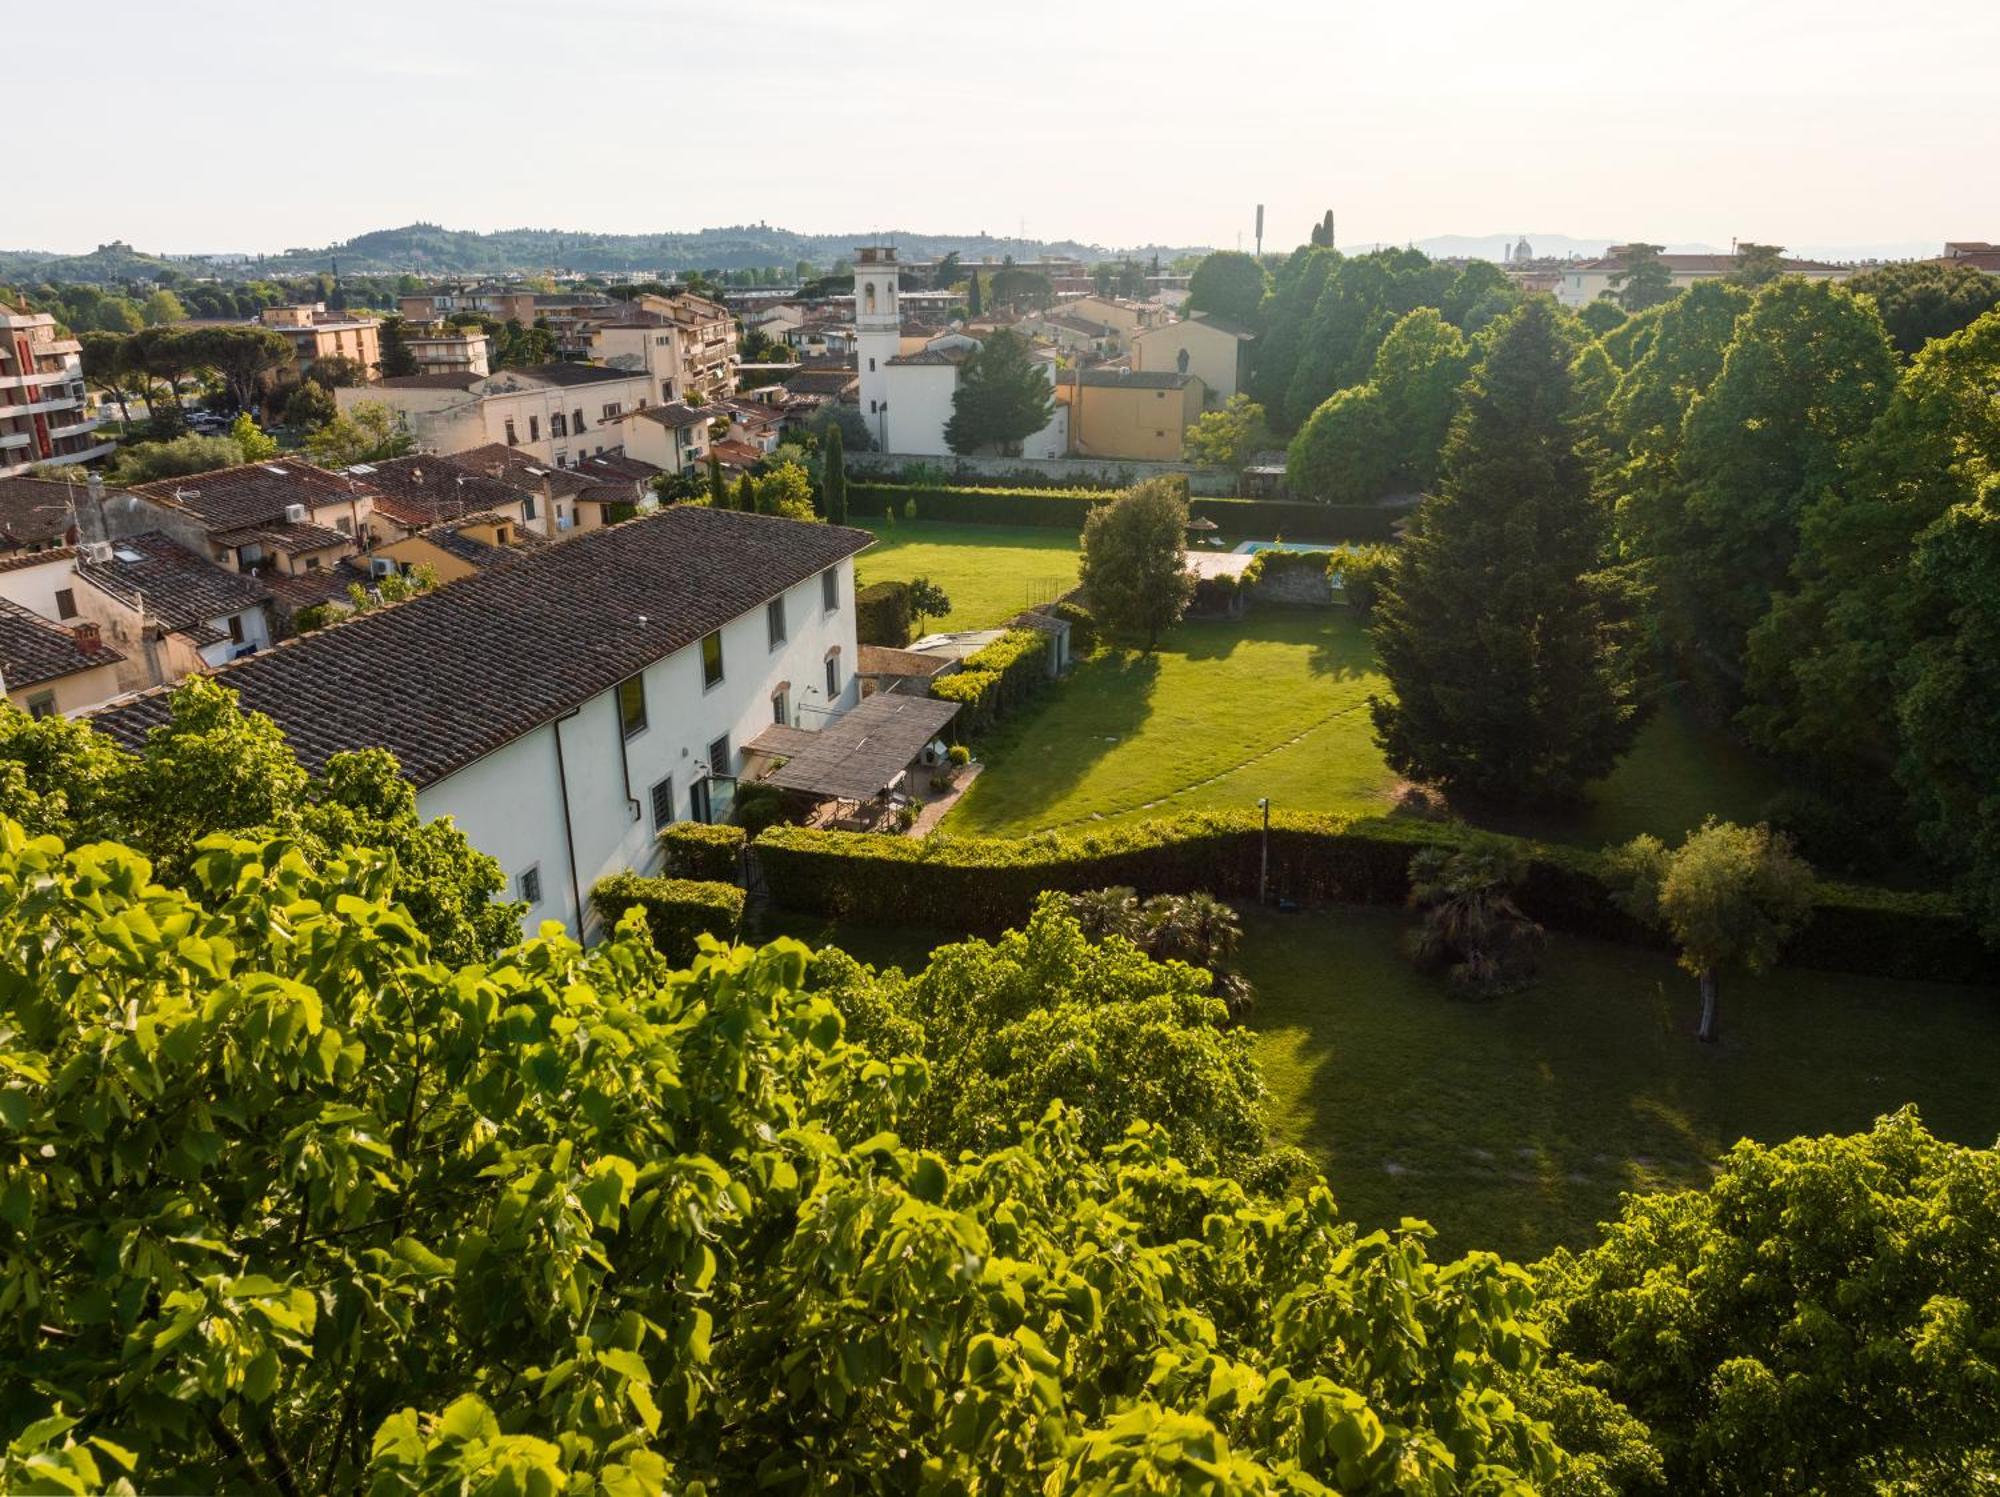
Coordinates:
<point>858,755</point>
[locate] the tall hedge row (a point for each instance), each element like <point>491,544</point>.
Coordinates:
<point>995,681</point>
<point>698,850</point>
<point>1067,509</point>
<point>882,614</point>
<point>985,885</point>
<point>677,909</point>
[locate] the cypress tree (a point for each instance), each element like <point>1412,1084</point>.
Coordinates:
<point>718,491</point>
<point>746,495</point>
<point>833,483</point>
<point>972,305</point>
<point>1514,679</point>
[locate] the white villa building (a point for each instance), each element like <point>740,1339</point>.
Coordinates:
<point>566,706</point>
<point>906,397</point>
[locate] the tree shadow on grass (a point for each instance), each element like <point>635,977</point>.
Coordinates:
<point>1039,756</point>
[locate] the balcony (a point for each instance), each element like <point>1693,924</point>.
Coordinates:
<point>36,378</point>
<point>76,428</point>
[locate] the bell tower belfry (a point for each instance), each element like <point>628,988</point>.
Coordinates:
<point>878,334</point>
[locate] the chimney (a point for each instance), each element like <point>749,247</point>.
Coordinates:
<point>87,638</point>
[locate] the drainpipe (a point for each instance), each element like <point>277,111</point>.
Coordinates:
<point>569,833</point>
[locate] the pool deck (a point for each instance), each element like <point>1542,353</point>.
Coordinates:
<point>1211,564</point>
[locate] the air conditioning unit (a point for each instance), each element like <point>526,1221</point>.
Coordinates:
<point>381,566</point>
<point>97,551</point>
<point>295,514</point>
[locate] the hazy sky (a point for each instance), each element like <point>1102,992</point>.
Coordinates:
<point>261,126</point>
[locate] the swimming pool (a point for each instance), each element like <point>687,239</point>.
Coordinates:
<point>1251,548</point>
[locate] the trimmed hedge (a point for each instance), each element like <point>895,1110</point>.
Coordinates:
<point>1067,509</point>
<point>677,909</point>
<point>996,680</point>
<point>986,885</point>
<point>882,614</point>
<point>697,850</point>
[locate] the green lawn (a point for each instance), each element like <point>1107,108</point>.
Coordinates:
<point>1515,1124</point>
<point>1222,713</point>
<point>990,572</point>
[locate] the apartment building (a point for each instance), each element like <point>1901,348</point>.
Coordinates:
<point>1126,414</point>
<point>316,333</point>
<point>555,414</point>
<point>1584,281</point>
<point>702,345</point>
<point>440,348</point>
<point>43,414</point>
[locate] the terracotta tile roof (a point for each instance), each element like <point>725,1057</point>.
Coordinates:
<point>618,465</point>
<point>933,356</point>
<point>569,374</point>
<point>425,491</point>
<point>822,381</point>
<point>521,469</point>
<point>33,650</point>
<point>733,454</point>
<point>254,494</point>
<point>293,537</point>
<point>883,660</point>
<point>14,561</point>
<point>674,415</point>
<point>33,512</point>
<point>307,589</point>
<point>178,587</point>
<point>452,675</point>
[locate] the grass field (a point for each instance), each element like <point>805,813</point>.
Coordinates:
<point>990,572</point>
<point>1221,713</point>
<point>1515,1124</point>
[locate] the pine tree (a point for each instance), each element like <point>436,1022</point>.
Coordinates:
<point>1513,680</point>
<point>718,491</point>
<point>833,480</point>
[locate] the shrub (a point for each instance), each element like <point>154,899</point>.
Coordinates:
<point>984,885</point>
<point>1473,931</point>
<point>996,680</point>
<point>960,756</point>
<point>758,806</point>
<point>696,850</point>
<point>1082,626</point>
<point>882,614</point>
<point>677,909</point>
<point>1067,509</point>
<point>1361,573</point>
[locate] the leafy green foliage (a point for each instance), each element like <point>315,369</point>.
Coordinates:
<point>1644,281</point>
<point>882,614</point>
<point>928,600</point>
<point>1229,284</point>
<point>1730,896</point>
<point>703,850</point>
<point>833,475</point>
<point>1003,396</point>
<point>575,1221</point>
<point>369,432</point>
<point>144,462</point>
<point>1473,931</point>
<point>1230,437</point>
<point>1134,568</point>
<point>1500,636</point>
<point>677,911</point>
<point>1196,928</point>
<point>1344,453</point>
<point>1922,301</point>
<point>1418,370</point>
<point>1819,1320</point>
<point>213,768</point>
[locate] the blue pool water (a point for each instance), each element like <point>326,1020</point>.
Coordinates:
<point>1251,548</point>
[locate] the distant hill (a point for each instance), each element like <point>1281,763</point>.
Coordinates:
<point>429,249</point>
<point>107,265</point>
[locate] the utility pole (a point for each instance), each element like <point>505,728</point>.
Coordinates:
<point>1264,850</point>
<point>1260,231</point>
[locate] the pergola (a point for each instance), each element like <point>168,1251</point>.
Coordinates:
<point>861,754</point>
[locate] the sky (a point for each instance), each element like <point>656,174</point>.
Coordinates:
<point>219,125</point>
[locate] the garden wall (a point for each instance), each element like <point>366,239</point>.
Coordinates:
<point>985,885</point>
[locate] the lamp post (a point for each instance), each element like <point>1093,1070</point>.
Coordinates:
<point>1264,848</point>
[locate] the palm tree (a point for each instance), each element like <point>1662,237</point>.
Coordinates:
<point>1473,930</point>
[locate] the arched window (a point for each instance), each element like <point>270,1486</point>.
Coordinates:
<point>868,295</point>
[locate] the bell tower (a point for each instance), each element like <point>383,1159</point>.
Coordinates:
<point>878,334</point>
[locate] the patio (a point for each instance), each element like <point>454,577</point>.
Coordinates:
<point>858,765</point>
